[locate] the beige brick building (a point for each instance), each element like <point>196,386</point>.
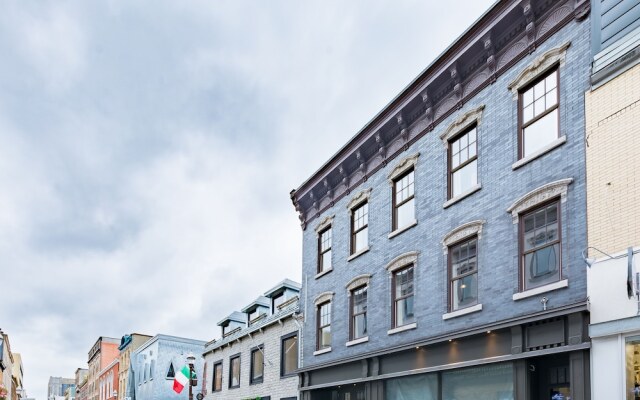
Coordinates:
<point>613,163</point>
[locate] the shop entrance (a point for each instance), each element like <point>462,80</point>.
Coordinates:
<point>549,377</point>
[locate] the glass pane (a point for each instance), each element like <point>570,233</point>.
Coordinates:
<point>326,261</point>
<point>472,150</point>
<point>538,90</point>
<point>455,146</point>
<point>552,81</point>
<point>465,292</point>
<point>541,266</point>
<point>325,337</point>
<point>418,387</point>
<point>551,99</point>
<point>406,214</point>
<point>235,372</point>
<point>493,381</point>
<point>465,178</point>
<point>218,380</point>
<point>527,113</point>
<point>362,240</point>
<point>455,160</point>
<point>527,97</point>
<point>632,367</point>
<point>290,354</point>
<point>258,365</point>
<point>404,311</point>
<point>360,326</point>
<point>539,107</point>
<point>541,133</point>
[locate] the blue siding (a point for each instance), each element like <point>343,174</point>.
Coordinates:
<point>613,19</point>
<point>498,247</point>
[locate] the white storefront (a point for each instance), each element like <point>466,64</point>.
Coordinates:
<point>615,326</point>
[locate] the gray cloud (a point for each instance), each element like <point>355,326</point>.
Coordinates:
<point>148,149</point>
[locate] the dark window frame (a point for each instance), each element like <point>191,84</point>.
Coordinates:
<point>319,327</point>
<point>214,375</point>
<point>521,253</point>
<point>394,300</point>
<point>450,169</point>
<point>353,315</point>
<point>231,359</point>
<point>354,232</point>
<point>395,205</point>
<point>521,124</point>
<point>252,379</point>
<point>283,339</point>
<point>450,270</point>
<point>321,252</point>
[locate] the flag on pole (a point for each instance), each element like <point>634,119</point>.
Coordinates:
<point>181,380</point>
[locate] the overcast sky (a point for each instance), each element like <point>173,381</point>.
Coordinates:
<point>147,151</point>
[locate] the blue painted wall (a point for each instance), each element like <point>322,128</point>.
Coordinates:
<point>498,247</point>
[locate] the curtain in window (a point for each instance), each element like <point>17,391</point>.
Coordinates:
<point>418,387</point>
<point>491,382</point>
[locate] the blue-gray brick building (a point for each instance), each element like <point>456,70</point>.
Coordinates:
<point>442,245</point>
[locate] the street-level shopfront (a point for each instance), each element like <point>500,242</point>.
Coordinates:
<point>538,359</point>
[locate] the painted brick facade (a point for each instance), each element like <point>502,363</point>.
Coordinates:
<point>613,163</point>
<point>498,271</point>
<point>273,385</point>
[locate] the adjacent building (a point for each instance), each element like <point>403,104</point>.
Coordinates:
<point>257,355</point>
<point>128,344</point>
<point>102,353</point>
<point>108,381</point>
<point>6,363</point>
<point>153,367</point>
<point>458,213</point>
<point>17,377</point>
<point>613,198</point>
<point>58,386</point>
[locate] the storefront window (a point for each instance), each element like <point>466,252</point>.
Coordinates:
<point>488,382</point>
<point>632,362</point>
<point>418,387</point>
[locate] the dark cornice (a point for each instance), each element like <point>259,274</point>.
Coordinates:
<point>506,33</point>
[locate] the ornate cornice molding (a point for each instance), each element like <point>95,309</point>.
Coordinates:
<point>402,166</point>
<point>461,232</point>
<point>358,281</point>
<point>538,66</point>
<point>538,196</point>
<point>463,122</point>
<point>325,223</point>
<point>359,198</point>
<point>323,297</point>
<point>402,261</point>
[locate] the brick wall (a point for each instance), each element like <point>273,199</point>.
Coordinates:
<point>273,385</point>
<point>613,163</point>
<point>498,271</point>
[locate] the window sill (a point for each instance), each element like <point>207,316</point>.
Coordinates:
<point>318,352</point>
<point>461,196</point>
<point>358,341</point>
<point>539,153</point>
<point>542,289</point>
<point>402,328</point>
<point>323,273</point>
<point>464,311</point>
<point>357,254</point>
<point>403,229</point>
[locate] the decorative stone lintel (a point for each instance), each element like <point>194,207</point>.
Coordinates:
<point>539,195</point>
<point>325,223</point>
<point>359,198</point>
<point>463,122</point>
<point>358,281</point>
<point>323,297</point>
<point>461,232</point>
<point>538,66</point>
<point>403,166</point>
<point>402,261</point>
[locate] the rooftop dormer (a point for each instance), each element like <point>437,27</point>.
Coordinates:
<point>257,310</point>
<point>281,294</point>
<point>232,323</point>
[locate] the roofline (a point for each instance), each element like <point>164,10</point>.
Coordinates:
<point>171,338</point>
<point>442,58</point>
<point>285,283</point>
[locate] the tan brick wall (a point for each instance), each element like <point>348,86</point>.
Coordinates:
<point>613,163</point>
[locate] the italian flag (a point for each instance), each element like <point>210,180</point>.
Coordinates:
<point>181,380</point>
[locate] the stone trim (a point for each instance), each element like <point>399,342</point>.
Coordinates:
<point>462,196</point>
<point>461,232</point>
<point>539,195</point>
<point>323,297</point>
<point>402,167</point>
<point>359,198</point>
<point>541,289</point>
<point>318,352</point>
<point>541,64</point>
<point>402,328</point>
<point>357,341</point>
<point>357,282</point>
<point>323,273</point>
<point>358,254</point>
<point>402,261</point>
<point>461,312</point>
<point>325,223</point>
<point>540,152</point>
<point>462,123</point>
<point>403,229</point>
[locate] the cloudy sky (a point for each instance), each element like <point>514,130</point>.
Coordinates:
<point>147,151</point>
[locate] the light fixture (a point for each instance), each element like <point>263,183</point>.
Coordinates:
<point>591,261</point>
<point>488,331</point>
<point>451,340</point>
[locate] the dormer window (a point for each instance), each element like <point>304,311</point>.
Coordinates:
<point>278,300</point>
